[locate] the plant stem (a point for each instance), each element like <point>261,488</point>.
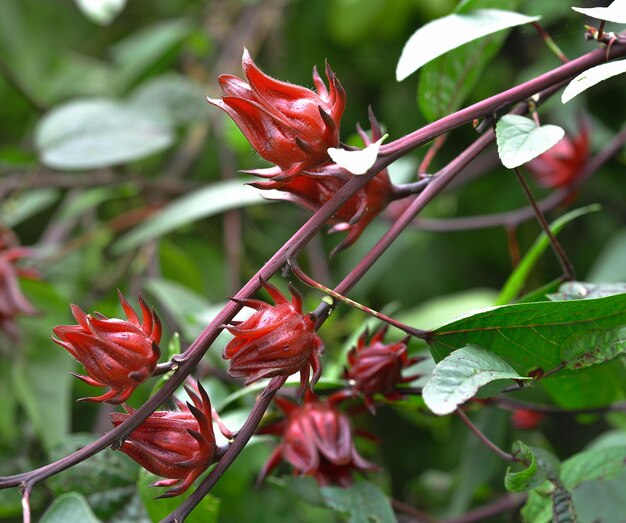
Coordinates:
<point>566,265</point>
<point>417,515</point>
<point>301,275</point>
<point>506,456</point>
<point>436,185</point>
<point>550,43</point>
<point>431,153</point>
<point>398,148</point>
<point>504,504</point>
<point>242,438</point>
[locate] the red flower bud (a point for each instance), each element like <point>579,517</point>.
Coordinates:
<point>376,368</point>
<point>317,441</point>
<point>526,419</point>
<point>178,446</point>
<point>313,188</point>
<point>13,303</point>
<point>287,124</point>
<point>562,165</point>
<point>276,340</point>
<point>119,354</point>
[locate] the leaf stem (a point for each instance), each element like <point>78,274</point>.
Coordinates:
<point>566,265</point>
<point>506,456</point>
<point>550,43</point>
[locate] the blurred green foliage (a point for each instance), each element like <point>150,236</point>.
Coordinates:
<point>155,62</point>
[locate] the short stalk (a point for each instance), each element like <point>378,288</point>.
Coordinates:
<point>302,276</point>
<point>566,266</point>
<point>506,456</point>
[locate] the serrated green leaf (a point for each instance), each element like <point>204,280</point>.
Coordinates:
<point>516,281</point>
<point>614,12</point>
<point>69,508</point>
<point>98,132</point>
<point>362,502</point>
<point>445,82</point>
<point>445,34</point>
<point>529,336</point>
<point>594,347</point>
<point>458,377</point>
<point>520,140</point>
<point>591,77</point>
<point>214,199</point>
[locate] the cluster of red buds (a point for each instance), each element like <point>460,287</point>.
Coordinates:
<point>13,303</point>
<point>287,124</point>
<point>317,441</point>
<point>293,127</point>
<point>526,419</point>
<point>376,368</point>
<point>119,354</point>
<point>277,340</point>
<point>562,165</point>
<point>176,445</point>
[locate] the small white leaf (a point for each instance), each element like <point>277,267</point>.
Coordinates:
<point>356,162</point>
<point>520,140</point>
<point>591,77</point>
<point>101,11</point>
<point>616,12</point>
<point>458,377</point>
<point>444,34</point>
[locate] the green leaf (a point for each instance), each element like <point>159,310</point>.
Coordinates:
<point>135,54</point>
<point>101,12</point>
<point>444,309</point>
<point>445,34</point>
<point>578,290</point>
<point>361,502</point>
<point>207,511</point>
<point>107,480</point>
<point>98,132</point>
<point>601,500</point>
<point>69,508</point>
<point>599,463</point>
<point>214,199</point>
<point>445,82</point>
<point>591,77</point>
<point>529,336</point>
<point>172,97</point>
<point>590,467</point>
<point>540,465</point>
<point>516,281</point>
<point>42,382</point>
<point>520,140</point>
<point>458,377</point>
<point>594,347</point>
<point>615,12</point>
<point>16,209</point>
<point>609,264</point>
